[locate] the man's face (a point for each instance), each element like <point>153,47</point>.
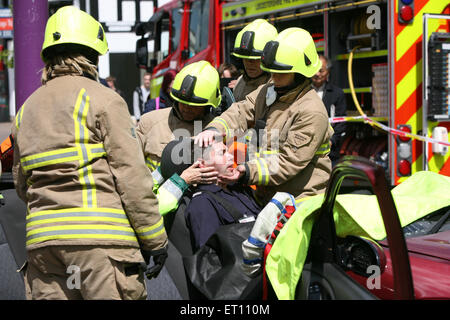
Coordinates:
<point>220,158</point>
<point>252,67</point>
<point>322,75</point>
<point>146,83</point>
<point>191,113</point>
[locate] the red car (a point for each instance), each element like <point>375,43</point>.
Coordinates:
<point>418,268</point>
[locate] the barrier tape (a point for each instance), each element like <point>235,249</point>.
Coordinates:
<point>388,129</point>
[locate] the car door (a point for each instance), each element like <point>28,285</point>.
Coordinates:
<point>323,276</point>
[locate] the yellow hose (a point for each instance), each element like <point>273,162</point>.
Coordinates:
<point>352,91</point>
<point>350,81</point>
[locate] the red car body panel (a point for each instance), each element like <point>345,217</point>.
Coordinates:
<point>429,258</point>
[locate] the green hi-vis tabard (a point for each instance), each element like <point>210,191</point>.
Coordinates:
<point>354,214</point>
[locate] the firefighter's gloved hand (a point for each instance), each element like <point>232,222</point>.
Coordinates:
<point>159,258</point>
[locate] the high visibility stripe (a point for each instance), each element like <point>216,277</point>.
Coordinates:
<point>50,157</point>
<point>323,149</point>
<point>223,123</point>
<point>157,177</point>
<point>151,164</point>
<point>59,156</point>
<point>153,231</point>
<point>172,188</point>
<point>99,235</point>
<point>81,139</point>
<point>19,116</point>
<point>77,215</point>
<point>65,229</point>
<point>80,231</point>
<point>267,152</point>
<point>96,151</point>
<point>263,171</point>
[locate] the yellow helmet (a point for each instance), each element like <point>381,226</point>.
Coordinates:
<point>197,84</point>
<point>251,40</point>
<point>293,50</point>
<point>70,27</point>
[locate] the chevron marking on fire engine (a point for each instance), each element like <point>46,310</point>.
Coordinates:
<point>411,33</point>
<point>409,84</point>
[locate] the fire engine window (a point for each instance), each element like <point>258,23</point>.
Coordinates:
<point>176,29</point>
<point>198,26</point>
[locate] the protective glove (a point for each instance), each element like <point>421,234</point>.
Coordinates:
<point>159,258</point>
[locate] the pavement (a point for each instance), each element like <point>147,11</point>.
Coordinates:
<point>11,281</point>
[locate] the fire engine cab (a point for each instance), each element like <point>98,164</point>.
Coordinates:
<point>391,58</point>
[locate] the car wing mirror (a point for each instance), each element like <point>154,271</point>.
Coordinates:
<point>362,256</point>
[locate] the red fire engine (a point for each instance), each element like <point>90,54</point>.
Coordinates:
<point>392,59</point>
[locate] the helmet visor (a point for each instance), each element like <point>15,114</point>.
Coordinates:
<point>268,58</point>
<point>186,91</point>
<point>246,48</point>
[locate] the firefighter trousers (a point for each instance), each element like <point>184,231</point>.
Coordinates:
<point>85,272</point>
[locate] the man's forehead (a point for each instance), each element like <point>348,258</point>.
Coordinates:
<point>218,146</point>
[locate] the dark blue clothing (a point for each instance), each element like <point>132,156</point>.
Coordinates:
<point>334,96</point>
<point>164,102</point>
<point>204,214</point>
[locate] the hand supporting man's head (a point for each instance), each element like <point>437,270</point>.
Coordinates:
<point>180,154</point>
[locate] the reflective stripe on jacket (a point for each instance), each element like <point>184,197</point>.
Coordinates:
<point>168,192</point>
<point>81,171</point>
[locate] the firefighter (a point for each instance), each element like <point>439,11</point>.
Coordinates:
<point>290,119</point>
<point>248,46</point>
<point>92,218</point>
<point>195,92</point>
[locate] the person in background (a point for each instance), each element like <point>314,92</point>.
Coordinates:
<point>111,81</point>
<point>140,96</point>
<point>334,100</point>
<point>164,100</point>
<point>228,74</point>
<point>248,46</point>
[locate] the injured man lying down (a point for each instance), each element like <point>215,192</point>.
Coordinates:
<point>211,205</point>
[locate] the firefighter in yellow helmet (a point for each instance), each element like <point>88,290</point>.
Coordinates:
<point>196,93</point>
<point>290,121</point>
<point>92,218</point>
<point>248,46</point>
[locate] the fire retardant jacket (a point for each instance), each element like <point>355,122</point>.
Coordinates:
<point>293,154</point>
<point>245,85</point>
<point>78,166</point>
<point>155,130</point>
